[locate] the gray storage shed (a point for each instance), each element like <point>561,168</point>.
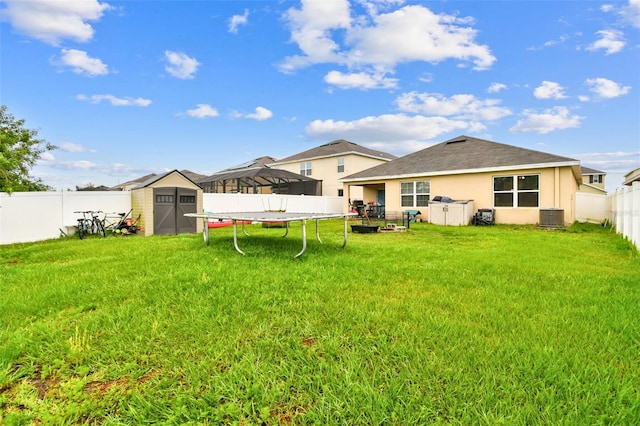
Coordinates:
<point>162,200</point>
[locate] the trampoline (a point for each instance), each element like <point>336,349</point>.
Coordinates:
<point>271,216</point>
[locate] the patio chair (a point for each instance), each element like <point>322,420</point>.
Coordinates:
<point>484,217</point>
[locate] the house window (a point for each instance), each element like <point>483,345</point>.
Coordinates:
<point>415,194</point>
<point>516,191</point>
<point>341,165</point>
<point>305,168</point>
<point>595,178</point>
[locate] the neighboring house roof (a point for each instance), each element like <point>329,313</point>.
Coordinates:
<point>155,178</point>
<point>133,182</point>
<point>258,162</point>
<point>336,148</point>
<point>588,171</point>
<point>632,176</point>
<point>464,154</point>
<point>193,176</point>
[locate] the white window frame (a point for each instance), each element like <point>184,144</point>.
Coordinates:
<point>306,168</point>
<point>413,193</point>
<point>595,179</point>
<point>340,164</point>
<point>515,191</point>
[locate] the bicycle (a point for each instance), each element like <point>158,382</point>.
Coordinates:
<point>91,224</point>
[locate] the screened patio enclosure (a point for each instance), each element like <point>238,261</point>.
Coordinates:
<point>261,180</point>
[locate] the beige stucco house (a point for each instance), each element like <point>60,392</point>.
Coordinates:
<point>331,162</point>
<point>593,181</point>
<point>514,181</point>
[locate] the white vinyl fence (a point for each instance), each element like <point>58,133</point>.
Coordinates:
<point>35,216</point>
<point>626,212</point>
<point>224,203</point>
<point>594,208</point>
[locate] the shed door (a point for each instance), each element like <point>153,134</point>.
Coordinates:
<point>186,203</point>
<point>164,210</point>
<point>169,207</point>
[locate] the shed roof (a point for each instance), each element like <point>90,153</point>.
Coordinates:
<point>464,154</point>
<point>155,178</point>
<point>335,148</point>
<point>134,183</point>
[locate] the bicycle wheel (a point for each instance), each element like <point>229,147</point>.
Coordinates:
<point>100,227</point>
<point>81,228</point>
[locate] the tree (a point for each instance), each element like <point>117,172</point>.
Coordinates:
<point>20,148</point>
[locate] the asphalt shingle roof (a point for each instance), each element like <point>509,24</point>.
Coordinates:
<point>337,147</point>
<point>589,171</point>
<point>462,153</point>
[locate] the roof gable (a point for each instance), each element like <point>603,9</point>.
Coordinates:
<point>159,177</point>
<point>335,148</point>
<point>460,154</point>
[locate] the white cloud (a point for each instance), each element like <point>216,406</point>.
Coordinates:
<point>115,101</point>
<point>560,40</point>
<point>612,41</point>
<point>549,90</point>
<point>461,106</point>
<point>388,128</point>
<point>631,13</point>
<point>606,88</point>
<point>81,63</point>
<point>311,27</point>
<point>203,111</point>
<point>180,65</point>
<point>45,158</point>
<point>496,87</point>
<point>237,20</point>
<point>360,80</point>
<point>73,147</point>
<point>260,114</point>
<point>54,21</point>
<point>381,41</point>
<point>557,118</point>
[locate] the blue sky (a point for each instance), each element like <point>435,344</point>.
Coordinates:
<point>126,88</point>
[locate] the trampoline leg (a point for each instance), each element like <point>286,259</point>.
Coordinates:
<point>318,232</point>
<point>205,230</point>
<point>286,230</point>
<point>235,236</point>
<point>244,231</point>
<point>304,237</point>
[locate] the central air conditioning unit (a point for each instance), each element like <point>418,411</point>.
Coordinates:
<point>552,218</point>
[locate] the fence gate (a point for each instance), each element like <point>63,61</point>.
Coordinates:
<point>169,207</point>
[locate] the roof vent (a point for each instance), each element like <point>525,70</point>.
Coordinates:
<point>456,141</point>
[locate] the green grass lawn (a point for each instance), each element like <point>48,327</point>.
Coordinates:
<point>462,325</point>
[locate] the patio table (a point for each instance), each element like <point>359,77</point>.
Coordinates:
<point>271,216</point>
